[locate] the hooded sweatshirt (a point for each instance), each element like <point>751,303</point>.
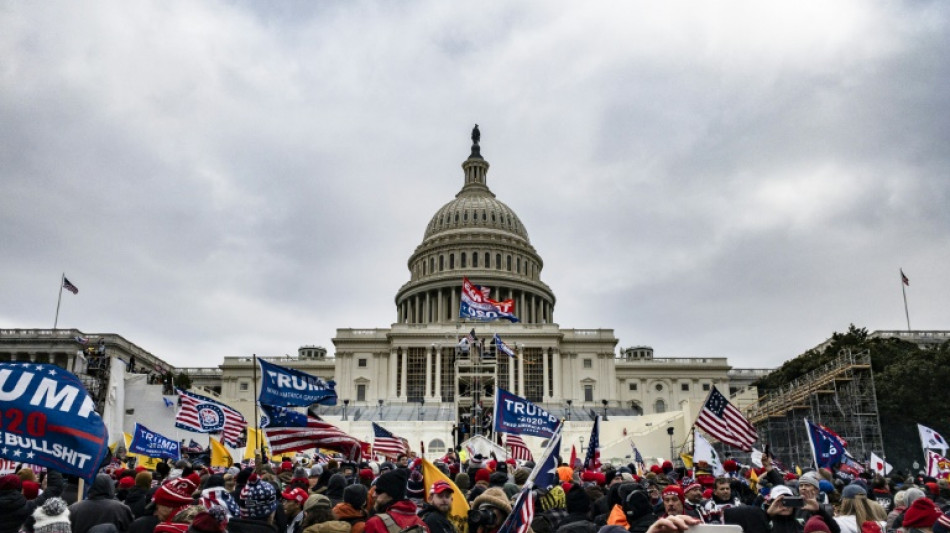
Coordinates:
<point>99,507</point>
<point>355,517</point>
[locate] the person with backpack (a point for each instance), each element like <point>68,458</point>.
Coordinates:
<point>394,513</point>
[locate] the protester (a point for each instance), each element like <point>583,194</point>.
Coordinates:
<point>100,507</point>
<point>578,513</point>
<point>258,504</point>
<point>638,511</point>
<point>213,520</point>
<point>13,505</point>
<point>335,488</point>
<point>169,498</point>
<point>215,493</point>
<point>293,501</point>
<point>318,516</point>
<point>391,505</point>
<point>921,515</point>
<point>138,496</point>
<point>492,509</point>
<point>856,509</point>
<point>352,509</point>
<point>52,517</point>
<point>435,512</point>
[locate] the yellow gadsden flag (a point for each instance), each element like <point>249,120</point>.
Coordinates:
<point>458,514</point>
<point>220,456</point>
<point>254,439</point>
<point>141,460</point>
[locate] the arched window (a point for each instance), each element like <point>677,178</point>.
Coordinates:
<point>519,265</point>
<point>475,260</point>
<point>498,261</point>
<point>441,263</point>
<point>659,406</point>
<point>487,260</point>
<point>464,259</point>
<point>451,261</point>
<point>436,446</point>
<point>508,262</point>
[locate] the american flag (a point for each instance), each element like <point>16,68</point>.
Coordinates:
<point>471,336</point>
<point>720,419</point>
<point>522,513</point>
<point>69,286</point>
<point>204,415</point>
<point>519,450</point>
<point>638,459</point>
<point>904,278</point>
<point>592,461</point>
<point>290,431</point>
<point>386,443</point>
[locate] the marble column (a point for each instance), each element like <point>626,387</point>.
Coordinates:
<point>405,367</point>
<point>429,386</point>
<point>521,374</point>
<point>438,375</point>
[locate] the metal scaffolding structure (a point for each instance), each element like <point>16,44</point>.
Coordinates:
<point>839,395</point>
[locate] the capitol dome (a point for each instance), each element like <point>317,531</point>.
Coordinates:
<point>479,237</point>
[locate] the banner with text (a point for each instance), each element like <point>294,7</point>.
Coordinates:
<point>286,386</point>
<point>476,304</point>
<point>150,444</point>
<point>514,414</point>
<point>49,420</point>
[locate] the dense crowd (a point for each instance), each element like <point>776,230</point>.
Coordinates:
<point>298,495</point>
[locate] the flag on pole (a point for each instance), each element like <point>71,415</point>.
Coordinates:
<point>203,415</point>
<point>703,451</point>
<point>168,403</point>
<point>544,475</point>
<point>518,450</point>
<point>220,456</point>
<point>69,286</point>
<point>290,431</point>
<point>930,439</point>
<point>458,513</point>
<point>721,420</point>
<point>502,347</point>
<point>904,278</point>
<point>385,443</point>
<point>592,461</point>
<point>825,447</point>
<point>937,465</point>
<point>879,465</point>
<point>638,460</point>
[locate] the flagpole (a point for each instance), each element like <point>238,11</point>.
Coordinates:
<point>257,419</point>
<point>903,291</point>
<point>63,280</point>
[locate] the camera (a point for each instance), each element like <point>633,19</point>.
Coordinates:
<point>482,517</point>
<point>793,501</point>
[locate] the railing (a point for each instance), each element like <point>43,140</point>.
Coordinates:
<point>201,371</point>
<point>273,358</point>
<point>935,335</point>
<point>677,360</point>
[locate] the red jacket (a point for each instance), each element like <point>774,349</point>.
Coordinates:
<point>403,513</point>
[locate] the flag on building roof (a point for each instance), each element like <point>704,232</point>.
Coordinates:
<point>904,278</point>
<point>502,347</point>
<point>290,431</point>
<point>69,286</point>
<point>721,420</point>
<point>203,415</point>
<point>385,443</point>
<point>592,461</point>
<point>518,450</point>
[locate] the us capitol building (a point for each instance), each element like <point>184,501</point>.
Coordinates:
<point>416,379</point>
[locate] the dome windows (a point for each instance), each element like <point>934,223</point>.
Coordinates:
<point>474,259</point>
<point>464,257</point>
<point>487,260</point>
<point>497,261</point>
<point>451,261</point>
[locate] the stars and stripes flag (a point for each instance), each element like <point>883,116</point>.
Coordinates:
<point>592,461</point>
<point>385,443</point>
<point>472,339</point>
<point>904,279</point>
<point>720,419</point>
<point>203,415</point>
<point>290,431</point>
<point>518,450</point>
<point>545,475</point>
<point>69,286</point>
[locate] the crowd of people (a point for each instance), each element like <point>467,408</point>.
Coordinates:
<point>300,495</point>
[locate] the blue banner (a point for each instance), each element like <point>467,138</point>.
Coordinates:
<point>518,416</point>
<point>476,304</point>
<point>826,448</point>
<point>150,444</point>
<point>286,386</point>
<point>50,420</point>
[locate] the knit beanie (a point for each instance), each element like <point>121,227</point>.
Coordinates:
<point>497,479</point>
<point>415,486</point>
<point>554,499</point>
<point>463,482</point>
<point>355,495</point>
<point>31,490</point>
<point>174,493</point>
<point>143,480</point>
<point>578,502</point>
<point>214,520</point>
<point>11,482</point>
<point>815,524</point>
<point>259,498</point>
<point>675,489</point>
<point>52,517</point>
<point>921,513</point>
<point>393,483</point>
<point>482,475</point>
<point>496,498</point>
<point>521,476</point>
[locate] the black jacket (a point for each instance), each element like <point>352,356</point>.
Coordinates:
<point>243,525</point>
<point>577,523</point>
<point>13,510</point>
<point>437,522</point>
<point>99,507</point>
<point>137,499</point>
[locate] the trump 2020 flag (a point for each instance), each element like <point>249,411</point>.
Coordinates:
<point>150,444</point>
<point>518,416</point>
<point>286,386</point>
<point>826,448</point>
<point>476,304</point>
<point>49,420</point>
<point>930,439</point>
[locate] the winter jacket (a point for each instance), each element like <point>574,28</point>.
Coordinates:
<point>402,512</point>
<point>13,511</point>
<point>617,517</point>
<point>437,522</point>
<point>331,526</point>
<point>244,525</point>
<point>355,517</point>
<point>335,488</point>
<point>137,499</point>
<point>100,507</point>
<point>577,523</point>
<point>144,524</point>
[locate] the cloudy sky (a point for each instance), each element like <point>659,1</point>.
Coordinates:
<point>733,179</point>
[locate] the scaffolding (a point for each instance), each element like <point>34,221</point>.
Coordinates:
<point>839,395</point>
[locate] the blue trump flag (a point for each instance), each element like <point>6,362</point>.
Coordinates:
<point>825,447</point>
<point>286,386</point>
<point>544,476</point>
<point>50,420</point>
<point>150,444</point>
<point>518,416</point>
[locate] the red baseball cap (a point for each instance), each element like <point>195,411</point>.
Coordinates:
<point>298,495</point>
<point>441,486</point>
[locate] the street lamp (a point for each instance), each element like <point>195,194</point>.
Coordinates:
<point>422,401</point>
<point>582,447</point>
<point>569,402</point>
<point>604,403</point>
<point>345,403</point>
<point>669,431</point>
